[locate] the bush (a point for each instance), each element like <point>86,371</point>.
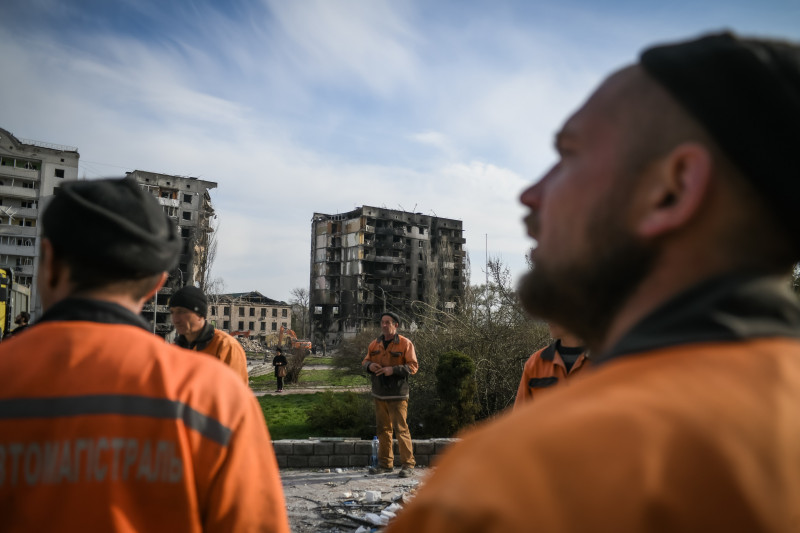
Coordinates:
<point>295,358</point>
<point>456,388</point>
<point>347,414</point>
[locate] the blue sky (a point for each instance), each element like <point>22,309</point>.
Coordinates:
<point>303,106</point>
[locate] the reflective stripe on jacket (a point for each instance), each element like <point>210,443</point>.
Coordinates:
<point>104,427</point>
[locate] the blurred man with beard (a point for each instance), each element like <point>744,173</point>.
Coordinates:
<point>681,174</point>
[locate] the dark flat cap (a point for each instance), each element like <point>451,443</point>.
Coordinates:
<point>746,93</point>
<point>391,315</point>
<point>113,224</point>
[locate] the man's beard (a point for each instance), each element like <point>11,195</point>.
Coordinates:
<point>585,296</point>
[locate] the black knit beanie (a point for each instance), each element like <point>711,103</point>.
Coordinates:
<point>113,226</point>
<point>191,298</point>
<point>746,93</point>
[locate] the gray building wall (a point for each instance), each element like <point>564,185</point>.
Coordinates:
<point>30,171</point>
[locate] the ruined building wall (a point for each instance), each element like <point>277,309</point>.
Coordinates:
<point>372,259</point>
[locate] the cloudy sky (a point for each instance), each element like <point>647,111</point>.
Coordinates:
<point>444,107</point>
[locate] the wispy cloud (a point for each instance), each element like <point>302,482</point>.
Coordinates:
<point>303,106</point>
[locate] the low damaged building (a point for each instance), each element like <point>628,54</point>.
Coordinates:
<point>251,315</point>
<point>373,259</point>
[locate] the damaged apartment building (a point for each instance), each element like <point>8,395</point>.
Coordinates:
<point>187,202</point>
<point>30,173</point>
<point>372,260</point>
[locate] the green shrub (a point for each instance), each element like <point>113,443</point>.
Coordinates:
<point>347,414</point>
<point>456,389</point>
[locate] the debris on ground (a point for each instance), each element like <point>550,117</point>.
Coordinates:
<point>345,500</point>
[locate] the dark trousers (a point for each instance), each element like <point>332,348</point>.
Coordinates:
<point>280,382</point>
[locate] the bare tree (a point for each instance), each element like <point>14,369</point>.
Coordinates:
<point>209,257</point>
<point>299,303</point>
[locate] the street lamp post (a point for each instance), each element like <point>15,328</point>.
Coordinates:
<point>383,296</point>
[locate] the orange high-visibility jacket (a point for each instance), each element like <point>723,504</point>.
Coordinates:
<point>543,370</point>
<point>399,354</point>
<point>222,346</point>
<point>105,427</point>
<point>700,434</point>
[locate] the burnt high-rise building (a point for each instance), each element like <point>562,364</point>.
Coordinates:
<point>373,259</point>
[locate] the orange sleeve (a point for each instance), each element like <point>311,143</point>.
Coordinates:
<point>232,354</point>
<point>524,391</point>
<point>246,493</point>
<point>411,358</point>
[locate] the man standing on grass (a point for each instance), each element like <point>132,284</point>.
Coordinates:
<point>188,308</point>
<point>390,360</point>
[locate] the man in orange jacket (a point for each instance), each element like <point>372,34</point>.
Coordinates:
<point>390,359</point>
<point>551,365</point>
<point>188,308</point>
<point>672,264</point>
<point>103,426</point>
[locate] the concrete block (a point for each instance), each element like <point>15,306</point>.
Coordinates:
<point>323,448</point>
<point>442,444</point>
<point>363,447</point>
<point>282,447</point>
<point>298,461</point>
<point>424,447</point>
<point>303,448</point>
<point>339,460</point>
<point>422,459</point>
<point>344,448</point>
<point>358,460</point>
<point>283,461</point>
<point>318,461</point>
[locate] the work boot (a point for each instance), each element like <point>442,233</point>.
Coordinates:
<point>380,470</point>
<point>406,471</point>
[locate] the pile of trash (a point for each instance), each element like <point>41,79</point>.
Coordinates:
<point>368,509</point>
<point>339,500</point>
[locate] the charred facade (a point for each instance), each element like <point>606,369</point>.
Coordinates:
<point>372,260</point>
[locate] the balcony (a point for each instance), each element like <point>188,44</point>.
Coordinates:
<point>16,191</point>
<point>23,270</point>
<point>169,202</point>
<point>17,231</point>
<point>25,251</point>
<point>16,172</point>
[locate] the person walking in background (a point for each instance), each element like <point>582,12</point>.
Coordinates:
<point>103,426</point>
<point>280,363</point>
<point>188,308</point>
<point>673,265</point>
<point>389,361</point>
<point>551,365</point>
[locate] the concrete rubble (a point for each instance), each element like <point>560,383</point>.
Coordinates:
<point>338,500</point>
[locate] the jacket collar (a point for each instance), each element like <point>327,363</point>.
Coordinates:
<point>202,340</point>
<point>733,307</point>
<point>90,310</point>
<point>549,353</point>
<point>395,340</point>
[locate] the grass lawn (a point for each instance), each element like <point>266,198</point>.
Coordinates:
<point>312,378</point>
<point>286,415</point>
<point>314,360</point>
